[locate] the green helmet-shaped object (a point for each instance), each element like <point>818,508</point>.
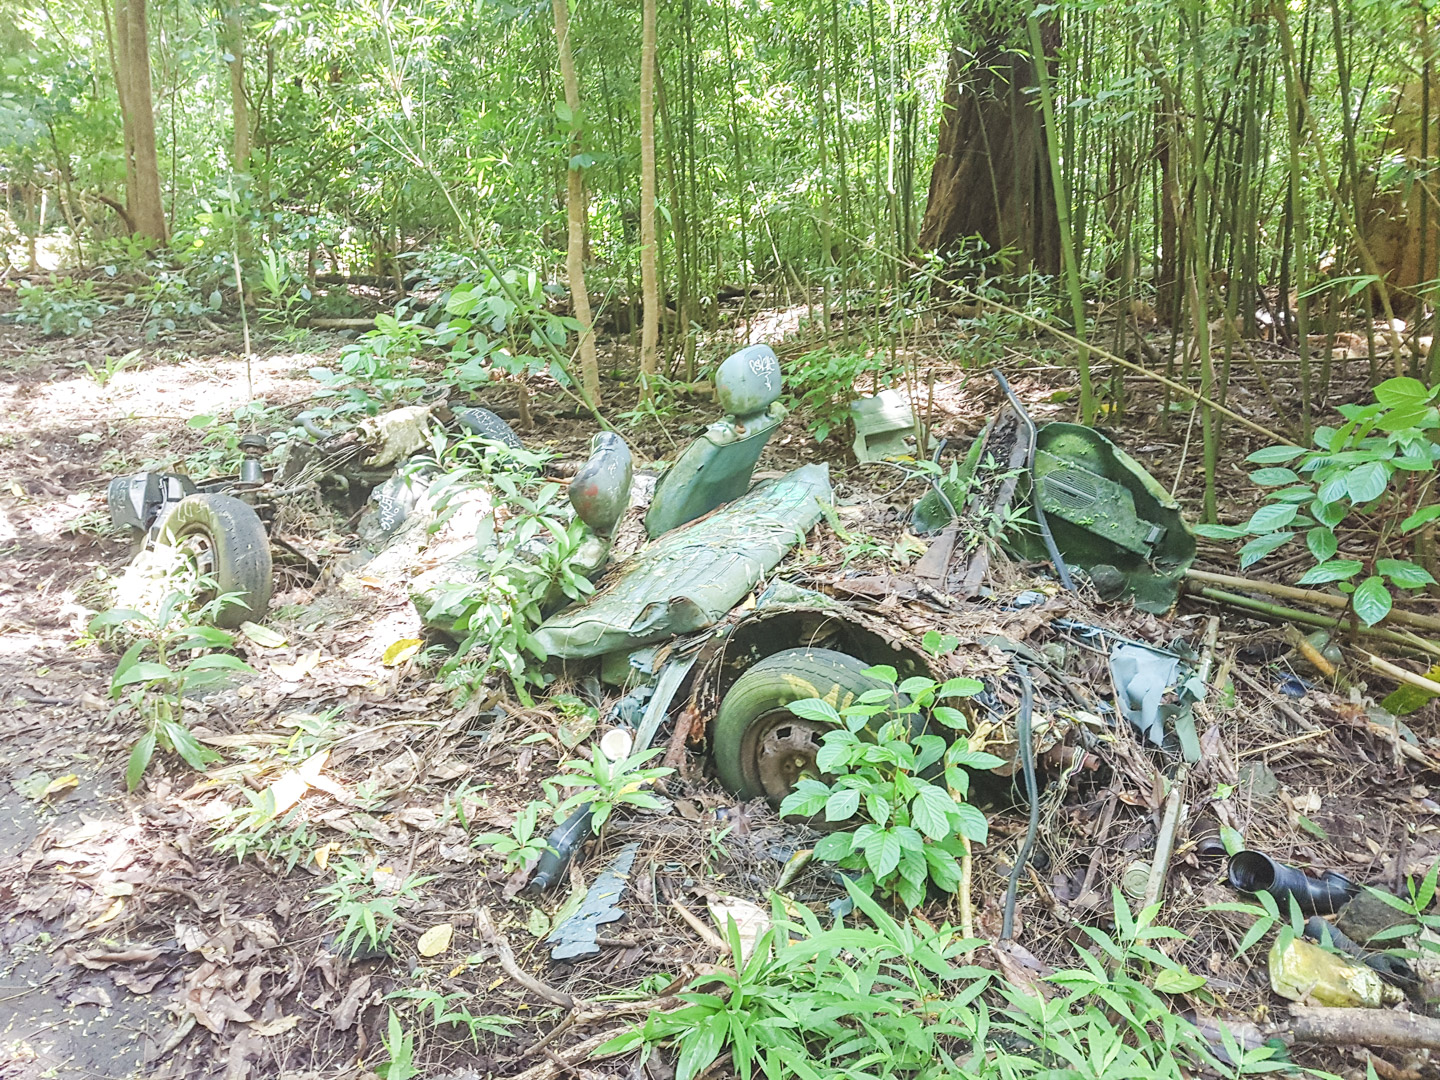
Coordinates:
<point>748,382</point>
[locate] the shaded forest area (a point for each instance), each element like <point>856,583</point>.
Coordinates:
<point>361,360</point>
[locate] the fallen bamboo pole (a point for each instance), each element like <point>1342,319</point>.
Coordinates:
<point>1283,614</point>
<point>1395,671</point>
<point>1310,596</point>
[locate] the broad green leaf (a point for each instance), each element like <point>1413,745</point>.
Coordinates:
<point>1321,542</point>
<point>1273,477</point>
<point>143,671</point>
<point>139,761</point>
<point>931,811</point>
<point>1334,570</point>
<point>1407,575</point>
<point>1177,981</point>
<point>973,825</point>
<point>834,847</point>
<point>1220,532</point>
<point>944,870</point>
<point>960,687</point>
<point>1275,455</point>
<point>1371,600</point>
<point>1329,513</point>
<point>842,804</point>
<point>1423,516</point>
<point>1261,546</point>
<point>1401,391</point>
<point>883,852</point>
<point>1270,517</point>
<point>822,712</point>
<point>1367,482</point>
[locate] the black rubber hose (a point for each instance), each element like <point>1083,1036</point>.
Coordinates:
<point>1023,737</point>
<point>1061,570</point>
<point>560,846</point>
<point>1255,872</point>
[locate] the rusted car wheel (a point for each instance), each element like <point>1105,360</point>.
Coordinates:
<point>227,541</point>
<point>761,748</point>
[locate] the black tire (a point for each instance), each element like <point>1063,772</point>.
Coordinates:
<point>230,545</point>
<point>487,425</point>
<point>760,748</point>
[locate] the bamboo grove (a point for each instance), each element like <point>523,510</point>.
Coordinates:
<point>1227,169</point>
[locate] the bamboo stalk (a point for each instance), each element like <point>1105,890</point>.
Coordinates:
<point>1310,596</point>
<point>1310,618</point>
<point>1395,671</point>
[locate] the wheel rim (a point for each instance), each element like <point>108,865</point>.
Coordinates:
<point>778,750</point>
<point>198,546</point>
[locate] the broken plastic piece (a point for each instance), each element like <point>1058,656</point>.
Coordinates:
<point>881,424</point>
<point>1304,972</point>
<point>1143,676</point>
<point>576,935</point>
<point>1255,872</point>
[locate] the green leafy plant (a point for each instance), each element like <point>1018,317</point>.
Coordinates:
<point>64,309</point>
<point>494,327</point>
<point>399,1063</point>
<point>282,296</point>
<point>445,1013</point>
<point>111,367</point>
<point>255,829</point>
<point>379,361</point>
<point>523,844</point>
<point>823,383</point>
<point>912,829</point>
<point>895,999</point>
<point>367,909</point>
<point>528,559</point>
<point>1367,485</point>
<point>1115,1009</point>
<point>810,1003</point>
<point>153,675</point>
<point>606,784</point>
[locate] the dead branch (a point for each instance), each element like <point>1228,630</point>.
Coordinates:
<point>506,956</point>
<point>1363,1027</point>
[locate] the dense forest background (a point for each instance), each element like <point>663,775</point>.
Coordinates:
<point>1227,170</point>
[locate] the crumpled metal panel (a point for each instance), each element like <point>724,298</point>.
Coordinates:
<point>576,935</point>
<point>690,578</point>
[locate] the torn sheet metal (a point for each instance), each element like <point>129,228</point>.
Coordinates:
<point>576,935</point>
<point>690,578</point>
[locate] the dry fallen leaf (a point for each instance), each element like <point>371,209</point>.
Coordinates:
<point>304,664</point>
<point>262,635</point>
<point>60,786</point>
<point>277,1026</point>
<point>401,651</point>
<point>117,906</point>
<point>435,940</point>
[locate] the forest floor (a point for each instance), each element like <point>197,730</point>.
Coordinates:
<point>131,946</point>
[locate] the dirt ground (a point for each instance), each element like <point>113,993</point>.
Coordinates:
<point>132,946</point>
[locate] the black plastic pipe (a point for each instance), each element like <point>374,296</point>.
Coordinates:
<point>1255,872</point>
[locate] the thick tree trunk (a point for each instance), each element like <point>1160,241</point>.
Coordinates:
<point>142,165</point>
<point>991,177</point>
<point>239,104</point>
<point>575,210</point>
<point>649,278</point>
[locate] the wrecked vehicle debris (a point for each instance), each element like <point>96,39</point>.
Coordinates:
<point>1087,505</point>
